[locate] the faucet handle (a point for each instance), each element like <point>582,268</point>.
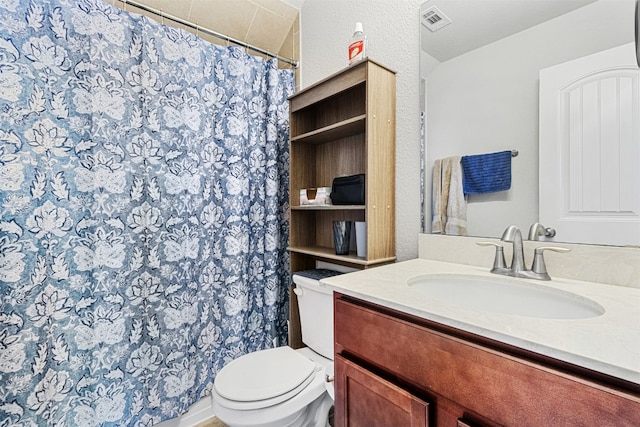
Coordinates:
<point>538,265</point>
<point>538,230</point>
<point>499,264</point>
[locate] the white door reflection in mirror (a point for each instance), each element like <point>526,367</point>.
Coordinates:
<point>590,148</point>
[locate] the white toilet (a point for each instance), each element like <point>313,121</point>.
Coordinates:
<point>282,387</point>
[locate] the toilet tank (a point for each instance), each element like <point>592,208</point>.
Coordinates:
<point>316,310</point>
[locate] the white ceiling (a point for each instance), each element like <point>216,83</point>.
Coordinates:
<point>476,23</point>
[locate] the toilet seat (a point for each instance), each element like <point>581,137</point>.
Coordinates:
<point>264,378</point>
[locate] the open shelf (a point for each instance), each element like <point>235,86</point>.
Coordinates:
<point>328,208</point>
<point>336,131</point>
<point>330,254</point>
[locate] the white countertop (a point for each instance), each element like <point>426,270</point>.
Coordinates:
<point>609,343</point>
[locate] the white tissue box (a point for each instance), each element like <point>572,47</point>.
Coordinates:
<point>315,196</point>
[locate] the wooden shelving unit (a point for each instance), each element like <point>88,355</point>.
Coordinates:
<point>344,125</point>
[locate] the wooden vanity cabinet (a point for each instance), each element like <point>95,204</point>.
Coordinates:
<point>394,369</point>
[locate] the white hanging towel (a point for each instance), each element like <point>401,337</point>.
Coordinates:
<point>448,202</point>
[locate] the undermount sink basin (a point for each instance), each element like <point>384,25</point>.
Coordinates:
<point>506,296</point>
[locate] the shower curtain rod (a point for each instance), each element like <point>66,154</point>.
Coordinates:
<point>205,30</point>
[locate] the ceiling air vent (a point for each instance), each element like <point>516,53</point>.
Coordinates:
<point>434,19</point>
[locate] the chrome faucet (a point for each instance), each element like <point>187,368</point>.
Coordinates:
<point>512,234</point>
<point>518,268</point>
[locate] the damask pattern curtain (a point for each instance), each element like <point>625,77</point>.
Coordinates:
<point>143,191</point>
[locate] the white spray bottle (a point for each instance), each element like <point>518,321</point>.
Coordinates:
<point>358,45</point>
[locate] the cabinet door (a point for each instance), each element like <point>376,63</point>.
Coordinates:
<point>365,400</point>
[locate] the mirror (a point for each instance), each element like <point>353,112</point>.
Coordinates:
<point>480,75</point>
<point>637,32</point>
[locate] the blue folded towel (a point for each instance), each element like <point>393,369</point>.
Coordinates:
<point>486,173</point>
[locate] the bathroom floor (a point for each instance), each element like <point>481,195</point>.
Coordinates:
<point>213,422</point>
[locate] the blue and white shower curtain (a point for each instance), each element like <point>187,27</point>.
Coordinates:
<point>143,192</point>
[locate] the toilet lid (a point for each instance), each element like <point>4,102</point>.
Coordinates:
<point>263,375</point>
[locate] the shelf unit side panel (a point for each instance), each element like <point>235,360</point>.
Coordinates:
<point>381,136</point>
<point>297,124</point>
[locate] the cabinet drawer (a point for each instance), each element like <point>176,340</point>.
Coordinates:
<point>503,388</point>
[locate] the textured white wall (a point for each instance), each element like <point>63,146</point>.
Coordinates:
<point>392,29</point>
<point>487,100</point>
